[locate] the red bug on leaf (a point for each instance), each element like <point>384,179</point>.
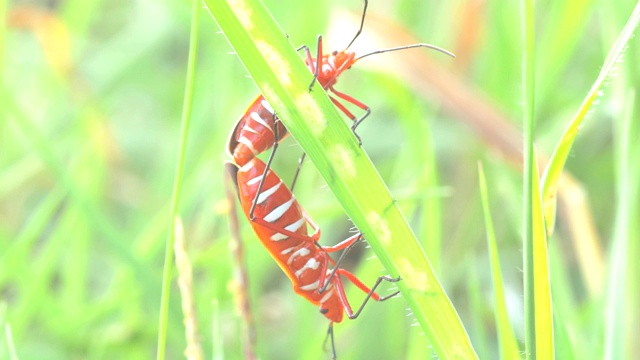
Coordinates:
<point>255,131</point>
<point>282,226</point>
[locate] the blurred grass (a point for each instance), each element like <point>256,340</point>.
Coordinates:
<point>89,124</point>
<point>538,330</point>
<point>506,338</point>
<point>174,217</point>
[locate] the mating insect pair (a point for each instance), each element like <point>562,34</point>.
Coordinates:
<point>281,225</point>
<point>275,215</point>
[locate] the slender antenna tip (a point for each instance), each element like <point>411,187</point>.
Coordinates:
<point>433,47</point>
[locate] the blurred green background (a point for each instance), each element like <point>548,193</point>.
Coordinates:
<point>89,131</point>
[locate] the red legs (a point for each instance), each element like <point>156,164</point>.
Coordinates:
<point>352,315</point>
<point>371,293</point>
<point>350,115</point>
<point>347,244</point>
<point>359,284</point>
<point>344,244</point>
<point>317,67</point>
<point>337,272</point>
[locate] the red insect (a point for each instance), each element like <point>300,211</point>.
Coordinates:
<point>281,225</point>
<point>254,132</point>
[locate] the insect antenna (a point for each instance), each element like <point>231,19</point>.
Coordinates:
<point>364,13</point>
<point>433,47</point>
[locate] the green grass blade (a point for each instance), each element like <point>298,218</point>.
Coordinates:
<point>543,314</point>
<point>177,185</point>
<point>315,123</point>
<point>506,337</point>
<point>529,168</point>
<point>565,308</point>
<point>559,156</point>
<point>537,290</point>
<point>619,277</point>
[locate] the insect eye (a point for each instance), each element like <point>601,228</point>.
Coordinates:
<point>334,52</point>
<point>324,311</point>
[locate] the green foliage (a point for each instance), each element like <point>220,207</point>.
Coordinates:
<point>559,157</point>
<point>91,97</point>
<point>174,212</point>
<point>507,340</point>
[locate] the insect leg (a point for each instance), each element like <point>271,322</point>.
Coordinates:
<point>355,102</point>
<point>295,177</point>
<point>318,66</point>
<point>370,292</point>
<point>347,244</point>
<point>330,337</point>
<point>276,141</point>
